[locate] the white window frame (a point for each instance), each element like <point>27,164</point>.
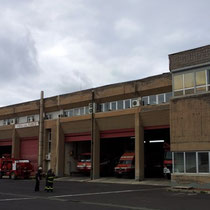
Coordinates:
<point>201,86</point>
<point>113,102</point>
<point>195,87</point>
<point>198,165</point>
<point>102,107</point>
<point>82,108</point>
<point>124,101</point>
<point>184,164</point>
<point>86,110</point>
<point>118,107</point>
<point>196,159</point>
<point>109,106</point>
<point>197,162</point>
<point>157,99</point>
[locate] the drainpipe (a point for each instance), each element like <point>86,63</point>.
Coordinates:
<point>92,134</point>
<point>41,128</point>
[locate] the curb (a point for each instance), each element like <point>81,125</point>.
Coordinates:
<point>189,190</point>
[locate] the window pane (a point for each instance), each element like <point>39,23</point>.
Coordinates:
<point>66,113</point>
<point>189,80</point>
<point>168,96</point>
<point>82,111</point>
<point>145,100</point>
<point>76,112</point>
<point>87,110</point>
<point>178,82</point>
<point>190,162</point>
<point>208,76</point>
<point>189,91</point>
<point>200,89</point>
<point>106,106</point>
<point>127,104</point>
<point>152,99</point>
<point>178,93</point>
<point>203,162</point>
<point>71,113</point>
<point>99,107</point>
<point>113,106</point>
<point>200,78</point>
<point>178,162</point>
<point>160,98</point>
<point>119,104</point>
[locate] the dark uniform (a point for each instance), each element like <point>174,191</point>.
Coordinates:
<point>49,181</point>
<point>38,177</point>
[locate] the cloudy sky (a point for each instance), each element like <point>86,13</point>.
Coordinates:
<point>62,46</point>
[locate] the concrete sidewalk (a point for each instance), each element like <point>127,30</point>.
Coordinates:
<point>114,180</point>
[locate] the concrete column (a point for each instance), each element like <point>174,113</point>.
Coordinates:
<point>96,152</point>
<point>41,128</point>
<point>139,148</point>
<point>15,144</point>
<point>59,150</point>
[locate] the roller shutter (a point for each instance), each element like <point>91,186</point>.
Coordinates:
<point>29,150</point>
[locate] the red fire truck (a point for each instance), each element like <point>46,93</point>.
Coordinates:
<point>84,163</point>
<point>126,165</point>
<point>15,168</point>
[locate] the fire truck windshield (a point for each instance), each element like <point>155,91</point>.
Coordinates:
<point>125,162</point>
<point>85,158</point>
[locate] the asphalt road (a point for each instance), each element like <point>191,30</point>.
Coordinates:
<point>19,194</point>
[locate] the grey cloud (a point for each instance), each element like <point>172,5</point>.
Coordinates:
<point>18,58</point>
<point>101,42</point>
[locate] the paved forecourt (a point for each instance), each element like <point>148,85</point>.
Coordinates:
<point>19,194</point>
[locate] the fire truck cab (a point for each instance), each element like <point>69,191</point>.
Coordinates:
<point>84,163</point>
<point>15,168</point>
<point>126,165</point>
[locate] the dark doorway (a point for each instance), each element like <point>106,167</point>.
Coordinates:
<point>112,149</point>
<point>154,151</point>
<point>5,150</point>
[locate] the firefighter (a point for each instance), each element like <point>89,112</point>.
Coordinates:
<point>38,177</point>
<point>49,181</point>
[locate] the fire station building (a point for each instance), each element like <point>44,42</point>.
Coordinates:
<point>139,116</point>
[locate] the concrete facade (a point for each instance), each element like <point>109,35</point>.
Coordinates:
<point>190,117</point>
<point>187,116</point>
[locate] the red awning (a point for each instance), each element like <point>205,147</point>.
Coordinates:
<point>77,137</point>
<point>5,142</point>
<point>156,127</point>
<point>117,133</point>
